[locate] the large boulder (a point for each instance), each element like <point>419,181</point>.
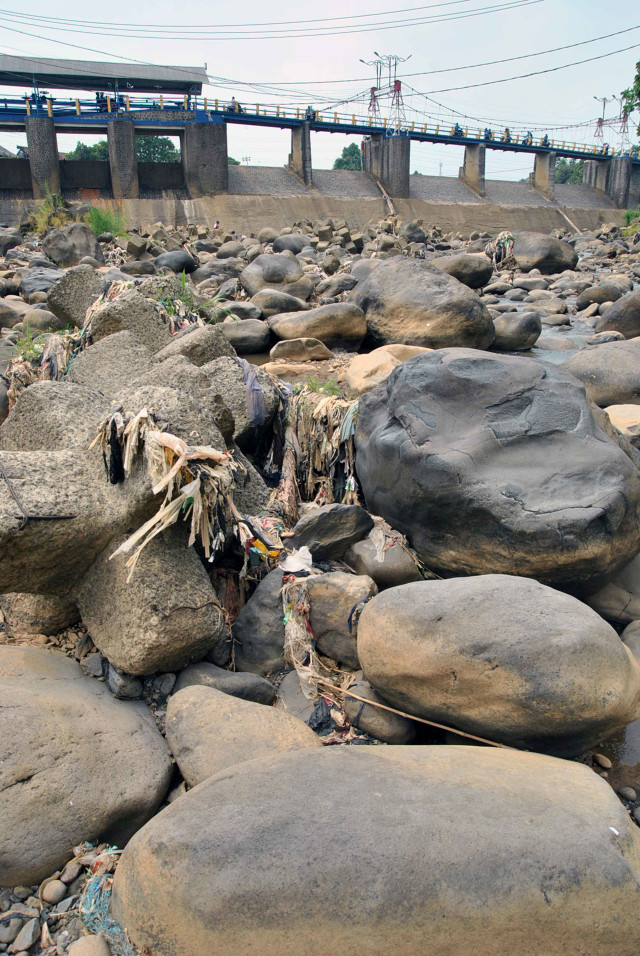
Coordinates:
<point>178,261</point>
<point>276,272</point>
<point>619,599</point>
<point>534,250</point>
<point>339,325</point>
<point>609,290</point>
<point>489,463</point>
<point>623,316</point>
<point>76,764</point>
<point>258,631</point>
<point>294,242</point>
<point>247,686</point>
<point>502,657</point>
<point>133,313</point>
<point>248,336</point>
<point>273,301</point>
<point>328,532</point>
<point>66,247</point>
<point>227,378</point>
<point>408,301</point>
<point>516,331</point>
<point>609,372</point>
<point>471,269</point>
<point>332,599</point>
<point>387,849</point>
<point>165,617</point>
<point>70,298</point>
<point>372,368</point>
<point>199,344</point>
<point>111,364</point>
<point>9,239</point>
<point>38,279</point>
<point>26,614</point>
<point>53,415</point>
<point>209,731</point>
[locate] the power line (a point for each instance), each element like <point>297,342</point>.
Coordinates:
<point>251,35</point>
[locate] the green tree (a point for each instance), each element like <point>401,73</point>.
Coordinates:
<point>99,150</point>
<point>631,97</point>
<point>350,158</point>
<point>149,149</point>
<point>156,149</point>
<point>233,162</point>
<point>569,170</point>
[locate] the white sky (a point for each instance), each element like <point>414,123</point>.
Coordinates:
<point>556,99</point>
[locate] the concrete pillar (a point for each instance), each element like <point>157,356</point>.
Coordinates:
<point>544,174</point>
<point>43,155</point>
<point>472,172</point>
<point>634,188</point>
<point>619,182</point>
<point>205,160</point>
<point>123,161</point>
<point>387,159</point>
<point>300,155</point>
<point>594,174</point>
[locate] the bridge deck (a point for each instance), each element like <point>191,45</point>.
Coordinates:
<point>170,116</point>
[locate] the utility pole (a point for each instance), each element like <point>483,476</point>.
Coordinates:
<point>599,133</point>
<point>387,62</point>
<point>440,169</point>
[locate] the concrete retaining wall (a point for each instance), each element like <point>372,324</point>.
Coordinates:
<point>15,174</point>
<point>84,174</point>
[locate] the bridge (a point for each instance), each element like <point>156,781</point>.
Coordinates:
<point>201,124</point>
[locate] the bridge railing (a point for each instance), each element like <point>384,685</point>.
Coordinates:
<point>122,103</point>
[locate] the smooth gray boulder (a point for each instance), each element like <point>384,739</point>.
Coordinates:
<point>502,657</point>
<point>332,598</point>
<point>247,336</point>
<point>516,331</point>
<point>330,530</point>
<point>534,250</point>
<point>76,764</point>
<point>374,720</point>
<point>623,316</point>
<point>619,599</point>
<point>432,847</point>
<point>199,344</point>
<point>274,301</point>
<point>410,302</point>
<point>471,269</point>
<point>258,631</point>
<point>271,272</point>
<point>338,325</point>
<point>610,372</point>
<point>490,463</point>
<point>244,685</point>
<point>209,731</point>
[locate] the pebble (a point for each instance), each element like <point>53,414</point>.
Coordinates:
<point>54,892</point>
<point>636,814</point>
<point>89,946</point>
<point>21,892</point>
<point>71,872</point>
<point>627,793</point>
<point>603,761</point>
<point>123,685</point>
<point>9,931</point>
<point>27,936</point>
<point>164,684</point>
<point>92,665</point>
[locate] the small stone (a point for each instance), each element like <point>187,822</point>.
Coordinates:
<point>636,814</point>
<point>71,872</point>
<point>10,929</point>
<point>602,761</point>
<point>627,793</point>
<point>28,935</point>
<point>89,946</point>
<point>21,892</point>
<point>164,684</point>
<point>123,685</point>
<point>66,905</point>
<point>92,665</point>
<point>54,892</point>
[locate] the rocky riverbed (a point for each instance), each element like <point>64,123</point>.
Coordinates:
<point>320,611</point>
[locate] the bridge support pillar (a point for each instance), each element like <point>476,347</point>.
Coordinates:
<point>205,160</point>
<point>300,155</point>
<point>123,161</point>
<point>544,174</point>
<point>594,174</point>
<point>43,155</point>
<point>472,172</point>
<point>619,180</point>
<point>387,159</point>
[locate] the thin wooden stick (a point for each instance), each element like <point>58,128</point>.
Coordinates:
<point>401,713</point>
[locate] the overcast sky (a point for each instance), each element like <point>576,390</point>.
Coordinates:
<point>315,64</point>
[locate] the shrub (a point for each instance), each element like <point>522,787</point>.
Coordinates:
<point>106,216</point>
<point>48,214</point>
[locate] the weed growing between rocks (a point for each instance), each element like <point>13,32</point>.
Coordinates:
<point>106,216</point>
